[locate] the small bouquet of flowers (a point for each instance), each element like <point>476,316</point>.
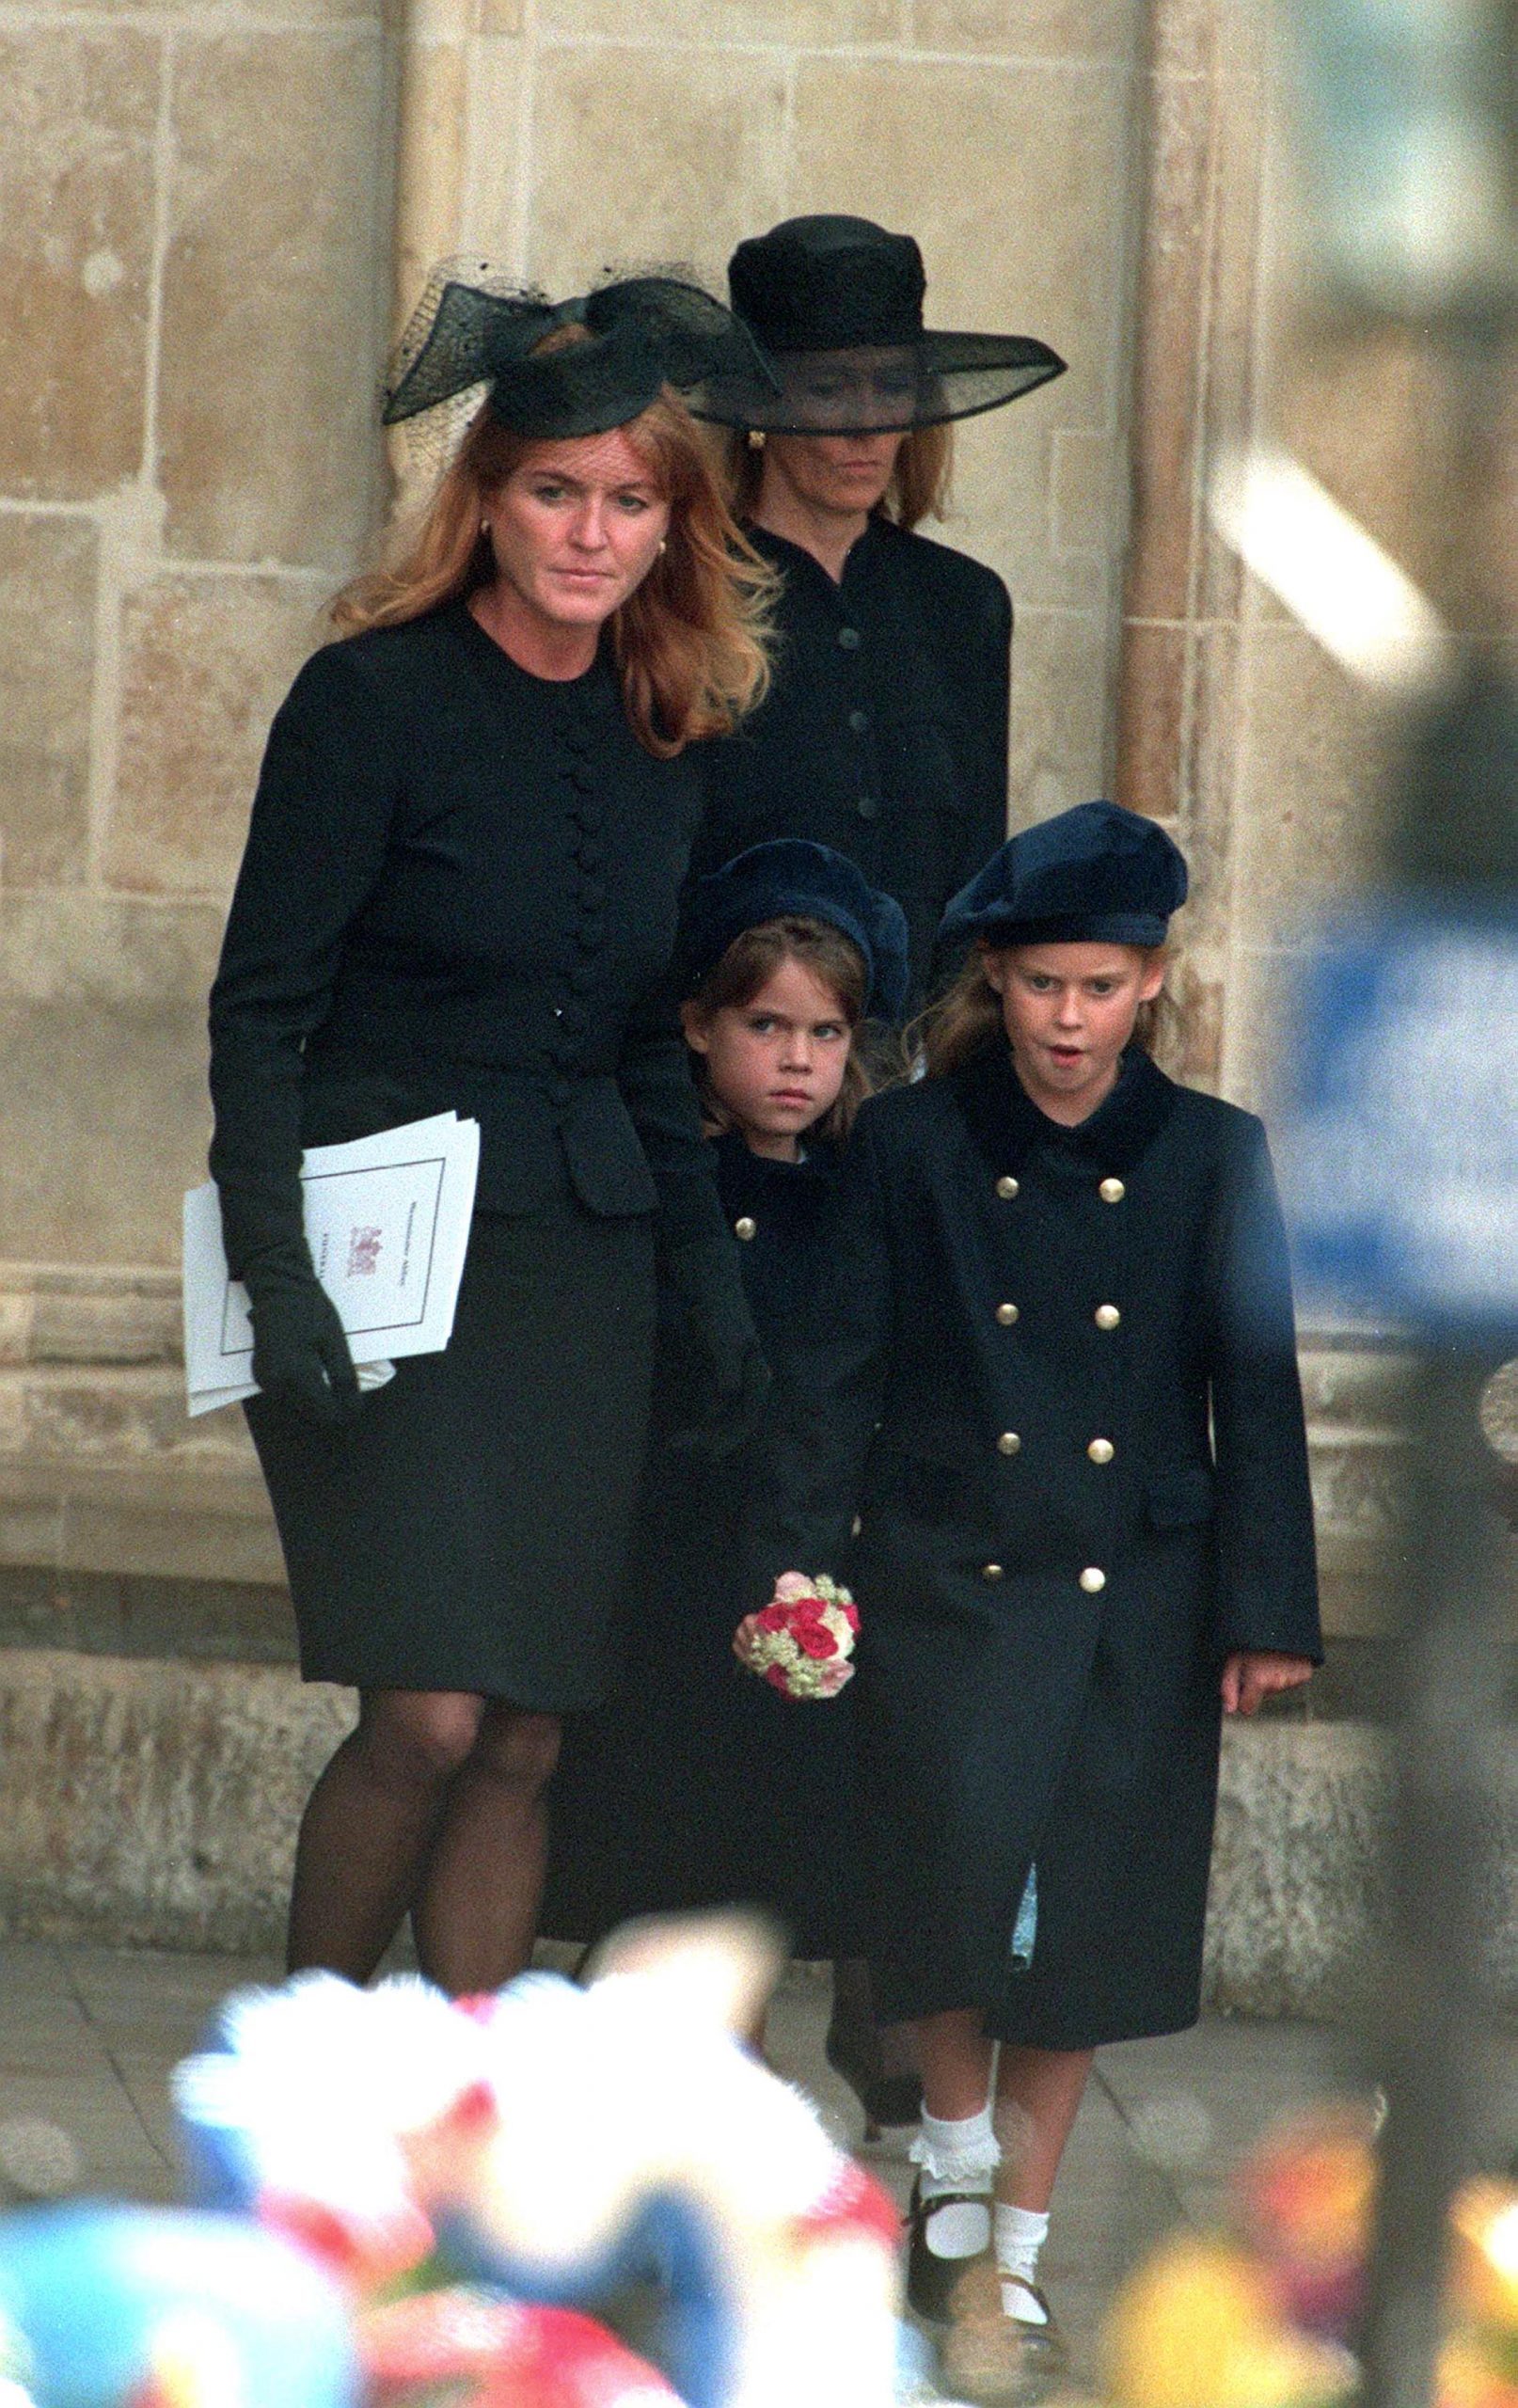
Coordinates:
<point>802,1642</point>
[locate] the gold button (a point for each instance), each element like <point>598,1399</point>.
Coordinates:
<point>1101,1450</point>
<point>1112,1191</point>
<point>1007,1189</point>
<point>1107,1316</point>
<point>990,1572</point>
<point>1009,1443</point>
<point>744,1228</point>
<point>1007,1315</point>
<point>1093,1581</point>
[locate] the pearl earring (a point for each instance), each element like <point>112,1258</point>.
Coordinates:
<point>663,547</point>
<point>757,439</point>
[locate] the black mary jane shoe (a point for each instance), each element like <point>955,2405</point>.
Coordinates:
<point>994,2360</point>
<point>932,2281</point>
<point>883,2097</point>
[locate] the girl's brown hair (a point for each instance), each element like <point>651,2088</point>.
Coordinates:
<point>746,967</point>
<point>966,1020</point>
<point>919,486</point>
<point>690,642</point>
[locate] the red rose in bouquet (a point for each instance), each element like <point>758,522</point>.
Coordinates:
<point>800,1643</point>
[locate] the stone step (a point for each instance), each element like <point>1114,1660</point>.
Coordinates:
<point>156,1804</point>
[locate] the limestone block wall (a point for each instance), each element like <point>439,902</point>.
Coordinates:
<point>563,137</point>
<point>194,209</point>
<point>212,211</point>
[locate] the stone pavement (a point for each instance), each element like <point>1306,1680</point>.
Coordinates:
<point>88,2037</point>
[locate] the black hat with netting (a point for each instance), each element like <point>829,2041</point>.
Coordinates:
<point>837,305</point>
<point>552,369</point>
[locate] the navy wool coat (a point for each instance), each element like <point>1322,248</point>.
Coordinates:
<point>695,1786</point>
<point>884,734</point>
<point>1056,1383</point>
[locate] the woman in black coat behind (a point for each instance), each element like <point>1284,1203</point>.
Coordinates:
<point>460,892</point>
<point>884,734</point>
<point>1056,1381</point>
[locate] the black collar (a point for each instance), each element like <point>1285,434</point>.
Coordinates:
<point>747,1179</point>
<point>1007,1127</point>
<point>794,560</point>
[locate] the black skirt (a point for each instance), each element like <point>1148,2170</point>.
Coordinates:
<point>468,1529</point>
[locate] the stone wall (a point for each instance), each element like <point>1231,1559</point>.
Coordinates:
<point>194,212</point>
<point>212,210</point>
<point>199,204</point>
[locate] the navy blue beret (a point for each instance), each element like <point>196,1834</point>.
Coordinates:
<point>1097,874</point>
<point>792,878</point>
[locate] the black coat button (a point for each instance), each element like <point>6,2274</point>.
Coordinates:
<point>589,817</point>
<point>859,721</point>
<point>582,778</point>
<point>850,639</point>
<point>867,807</point>
<point>588,852</point>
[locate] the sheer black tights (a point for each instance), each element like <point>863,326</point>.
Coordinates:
<point>433,1804</point>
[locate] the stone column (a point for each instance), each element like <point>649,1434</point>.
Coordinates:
<point>1234,728</point>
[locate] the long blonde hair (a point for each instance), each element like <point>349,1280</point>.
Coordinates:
<point>690,640</point>
<point>966,1020</point>
<point>746,967</point>
<point>919,486</point>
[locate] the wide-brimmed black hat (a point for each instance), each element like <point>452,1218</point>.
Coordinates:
<point>837,304</point>
<point>1096,874</point>
<point>474,332</point>
<point>791,878</point>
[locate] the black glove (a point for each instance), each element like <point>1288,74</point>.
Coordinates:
<point>728,1376</point>
<point>300,1351</point>
<point>726,1409</point>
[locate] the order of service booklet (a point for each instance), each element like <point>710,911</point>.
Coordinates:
<point>387,1222</point>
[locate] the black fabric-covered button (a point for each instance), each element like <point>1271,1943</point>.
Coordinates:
<point>560,1092</point>
<point>850,639</point>
<point>867,807</point>
<point>859,721</point>
<point>588,852</point>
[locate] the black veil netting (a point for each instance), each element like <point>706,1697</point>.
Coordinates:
<point>476,334</point>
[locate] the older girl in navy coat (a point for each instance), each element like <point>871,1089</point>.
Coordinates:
<point>695,1786</point>
<point>1056,1381</point>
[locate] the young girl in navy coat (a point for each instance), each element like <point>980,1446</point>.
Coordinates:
<point>1056,1379</point>
<point>696,1786</point>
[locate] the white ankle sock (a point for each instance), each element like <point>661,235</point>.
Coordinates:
<point>1020,2236</point>
<point>957,2154</point>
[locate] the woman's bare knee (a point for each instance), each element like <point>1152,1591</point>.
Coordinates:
<point>416,1739</point>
